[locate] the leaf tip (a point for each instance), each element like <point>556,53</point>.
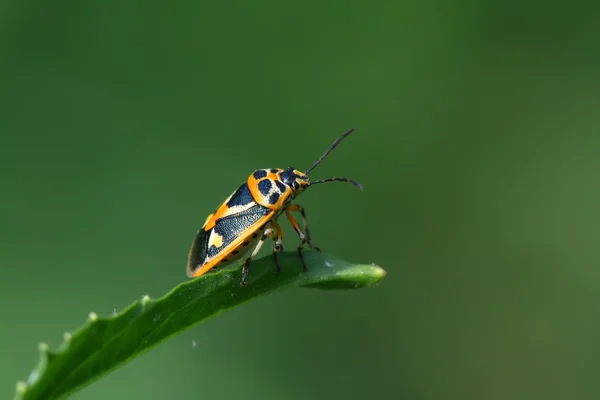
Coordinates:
<point>378,271</point>
<point>145,299</point>
<point>43,347</point>
<point>92,316</point>
<point>45,352</point>
<point>67,336</point>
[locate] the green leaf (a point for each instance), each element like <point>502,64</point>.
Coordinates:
<point>104,343</point>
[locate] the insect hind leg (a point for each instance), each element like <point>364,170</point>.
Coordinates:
<point>278,244</point>
<point>245,268</point>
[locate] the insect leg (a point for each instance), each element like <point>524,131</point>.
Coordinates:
<point>278,244</point>
<point>300,209</point>
<point>266,233</point>
<point>304,237</point>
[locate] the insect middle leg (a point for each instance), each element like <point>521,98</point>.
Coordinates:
<point>266,233</point>
<point>304,236</point>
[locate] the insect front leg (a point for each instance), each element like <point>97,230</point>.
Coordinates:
<point>266,233</point>
<point>278,245</point>
<point>304,236</point>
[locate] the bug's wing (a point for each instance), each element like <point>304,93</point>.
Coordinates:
<point>240,200</point>
<point>197,254</point>
<point>229,232</point>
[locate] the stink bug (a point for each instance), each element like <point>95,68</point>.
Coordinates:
<point>249,216</point>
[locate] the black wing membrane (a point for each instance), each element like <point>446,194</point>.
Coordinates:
<point>198,251</point>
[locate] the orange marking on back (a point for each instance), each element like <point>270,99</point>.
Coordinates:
<point>211,222</point>
<point>207,266</point>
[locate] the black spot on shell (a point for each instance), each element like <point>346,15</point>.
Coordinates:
<point>264,186</point>
<point>280,186</point>
<point>274,170</point>
<point>245,244</point>
<point>259,174</point>
<point>273,198</point>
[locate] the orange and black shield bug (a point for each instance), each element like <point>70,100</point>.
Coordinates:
<point>249,216</point>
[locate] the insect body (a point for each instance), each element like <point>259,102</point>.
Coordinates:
<point>249,216</point>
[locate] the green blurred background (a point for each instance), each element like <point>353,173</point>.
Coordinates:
<point>122,124</point>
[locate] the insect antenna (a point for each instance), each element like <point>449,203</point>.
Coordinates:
<point>358,185</point>
<point>333,146</point>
